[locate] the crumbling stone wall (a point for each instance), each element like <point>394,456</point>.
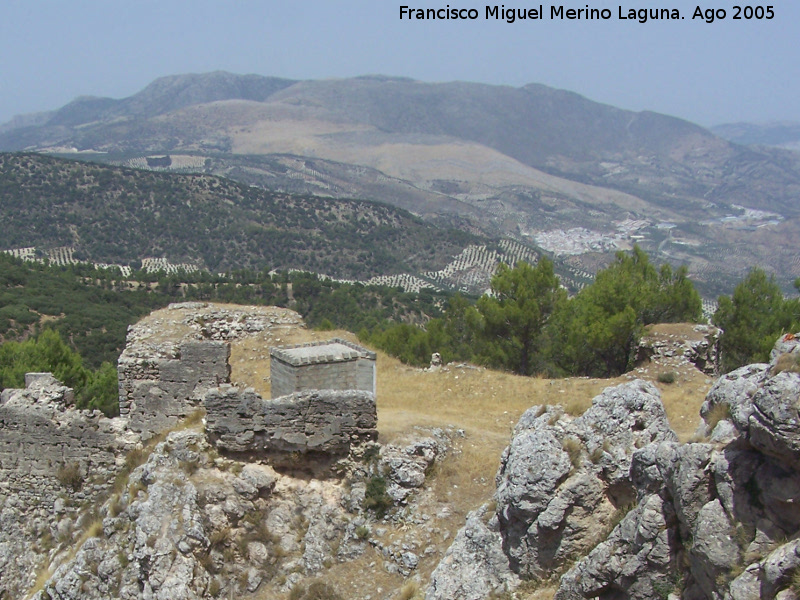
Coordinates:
<point>55,461</point>
<point>327,421</point>
<point>42,435</point>
<point>157,389</point>
<point>333,365</point>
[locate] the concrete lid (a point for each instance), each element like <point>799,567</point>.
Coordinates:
<point>332,351</point>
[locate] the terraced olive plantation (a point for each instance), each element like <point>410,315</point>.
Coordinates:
<point>71,210</point>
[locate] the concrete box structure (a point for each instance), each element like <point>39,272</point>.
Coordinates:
<point>333,365</point>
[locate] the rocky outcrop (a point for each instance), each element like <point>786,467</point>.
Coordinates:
<point>187,526</point>
<point>637,560</point>
<point>645,516</point>
<point>406,467</point>
<point>559,504</point>
<point>474,566</point>
<point>314,421</point>
<point>190,524</point>
<point>711,519</point>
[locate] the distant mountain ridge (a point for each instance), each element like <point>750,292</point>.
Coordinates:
<point>170,93</point>
<point>781,135</point>
<point>528,163</point>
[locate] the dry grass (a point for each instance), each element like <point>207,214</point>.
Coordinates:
<point>93,529</point>
<point>683,395</point>
<point>409,590</point>
<point>485,404</point>
<point>41,579</point>
<point>572,446</point>
<point>717,413</point>
<point>789,362</point>
<point>682,401</point>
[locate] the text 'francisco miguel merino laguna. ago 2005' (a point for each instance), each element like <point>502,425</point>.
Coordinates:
<point>586,13</point>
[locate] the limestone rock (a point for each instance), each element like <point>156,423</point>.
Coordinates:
<point>406,467</point>
<point>734,394</point>
<point>553,508</point>
<point>779,567</point>
<point>636,562</point>
<point>714,550</point>
<point>474,566</point>
<point>620,420</point>
<point>261,477</point>
<point>774,425</point>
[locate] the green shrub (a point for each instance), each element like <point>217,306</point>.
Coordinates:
<point>375,498</point>
<point>668,377</point>
<point>325,325</point>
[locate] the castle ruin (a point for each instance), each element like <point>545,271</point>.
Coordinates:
<point>56,459</point>
<point>323,400</point>
<point>159,387</point>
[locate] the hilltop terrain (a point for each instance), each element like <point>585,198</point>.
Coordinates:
<point>620,499</point>
<point>113,215</point>
<point>539,165</point>
<point>69,211</point>
<point>262,532</point>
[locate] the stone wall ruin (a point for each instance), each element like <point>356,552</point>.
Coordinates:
<point>323,396</point>
<point>159,388</point>
<point>44,434</point>
<point>328,421</point>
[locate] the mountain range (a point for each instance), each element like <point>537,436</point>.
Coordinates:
<point>545,167</point>
<point>780,134</point>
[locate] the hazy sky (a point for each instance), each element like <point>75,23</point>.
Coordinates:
<point>53,51</point>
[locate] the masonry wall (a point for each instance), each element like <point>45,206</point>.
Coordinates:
<point>335,364</point>
<point>327,421</point>
<point>40,434</point>
<point>156,392</point>
<point>42,439</point>
<point>365,375</point>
